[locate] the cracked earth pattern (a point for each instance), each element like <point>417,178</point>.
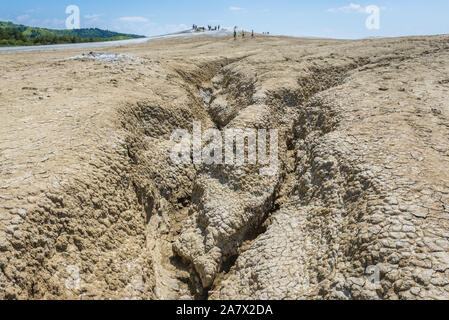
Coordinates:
<point>92,207</point>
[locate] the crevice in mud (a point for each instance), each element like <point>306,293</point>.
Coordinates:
<point>320,80</point>
<point>257,232</point>
<point>184,202</point>
<point>204,73</point>
<point>201,85</point>
<point>146,200</point>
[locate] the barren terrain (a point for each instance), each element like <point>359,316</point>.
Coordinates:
<point>92,207</point>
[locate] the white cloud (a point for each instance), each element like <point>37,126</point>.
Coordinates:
<point>352,7</point>
<point>133,19</point>
<point>93,17</point>
<point>232,8</point>
<point>23,18</point>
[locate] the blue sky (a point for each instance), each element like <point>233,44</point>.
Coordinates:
<point>320,18</point>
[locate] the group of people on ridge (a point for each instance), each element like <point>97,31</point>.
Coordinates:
<point>243,33</point>
<point>196,28</point>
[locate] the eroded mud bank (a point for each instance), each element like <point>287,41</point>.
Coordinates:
<point>362,138</point>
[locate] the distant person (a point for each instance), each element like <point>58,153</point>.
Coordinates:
<point>252,33</point>
<point>219,27</point>
<point>243,33</point>
<point>235,34</point>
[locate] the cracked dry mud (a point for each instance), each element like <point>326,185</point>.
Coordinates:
<point>92,207</point>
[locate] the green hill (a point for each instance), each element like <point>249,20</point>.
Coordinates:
<point>19,35</point>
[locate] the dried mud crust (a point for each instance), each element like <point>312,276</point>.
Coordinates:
<point>354,202</point>
<point>91,206</point>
